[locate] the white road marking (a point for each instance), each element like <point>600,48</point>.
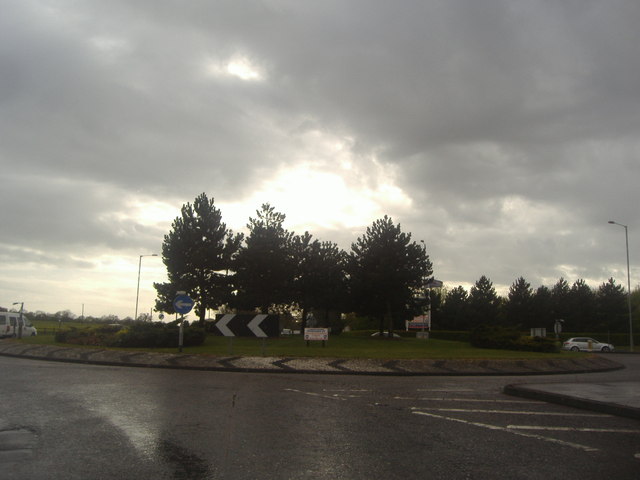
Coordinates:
<point>444,399</point>
<point>342,390</point>
<point>577,446</point>
<point>445,389</point>
<point>572,429</point>
<point>313,394</point>
<point>511,412</point>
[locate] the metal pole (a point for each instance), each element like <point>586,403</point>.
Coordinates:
<point>626,237</point>
<point>181,334</point>
<point>20,320</point>
<point>135,317</point>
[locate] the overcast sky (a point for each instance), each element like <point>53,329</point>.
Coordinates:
<point>505,134</point>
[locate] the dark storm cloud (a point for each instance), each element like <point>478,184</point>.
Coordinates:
<point>132,113</point>
<point>511,125</point>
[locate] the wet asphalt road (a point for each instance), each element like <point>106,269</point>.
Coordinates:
<point>71,421</point>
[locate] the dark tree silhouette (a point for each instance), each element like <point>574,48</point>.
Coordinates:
<point>198,251</point>
<point>265,266</point>
<point>385,270</point>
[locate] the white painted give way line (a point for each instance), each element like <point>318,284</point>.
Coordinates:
<point>511,412</point>
<point>572,429</point>
<point>313,394</point>
<point>577,446</point>
<point>467,400</point>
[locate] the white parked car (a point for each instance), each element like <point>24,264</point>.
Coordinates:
<point>586,344</point>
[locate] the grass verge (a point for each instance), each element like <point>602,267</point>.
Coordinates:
<point>342,346</point>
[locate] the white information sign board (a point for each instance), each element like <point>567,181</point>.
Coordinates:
<point>320,334</point>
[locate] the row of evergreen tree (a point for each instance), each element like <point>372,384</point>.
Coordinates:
<point>383,276</point>
<point>582,308</point>
<point>273,269</point>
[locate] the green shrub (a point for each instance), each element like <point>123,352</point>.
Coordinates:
<point>536,344</point>
<point>492,336</point>
<point>158,335</point>
<point>136,335</point>
<point>97,336</point>
<point>507,338</point>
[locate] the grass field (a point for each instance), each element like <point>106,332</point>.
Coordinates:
<point>341,346</point>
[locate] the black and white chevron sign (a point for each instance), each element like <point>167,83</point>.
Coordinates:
<point>244,325</point>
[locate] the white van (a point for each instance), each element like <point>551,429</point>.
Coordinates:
<point>10,323</point>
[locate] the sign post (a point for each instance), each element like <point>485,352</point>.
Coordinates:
<point>557,328</point>
<point>182,304</point>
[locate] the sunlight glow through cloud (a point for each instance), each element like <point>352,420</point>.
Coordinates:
<point>238,66</point>
<point>311,198</point>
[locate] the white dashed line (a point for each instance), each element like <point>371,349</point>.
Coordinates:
<point>511,412</point>
<point>572,429</point>
<point>343,390</point>
<point>471,400</point>
<point>577,446</point>
<point>445,390</point>
<point>313,394</point>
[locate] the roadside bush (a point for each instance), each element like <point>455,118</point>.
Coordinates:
<point>97,336</point>
<point>137,335</point>
<point>505,338</point>
<point>536,344</point>
<point>356,323</point>
<point>158,335</point>
<point>492,336</point>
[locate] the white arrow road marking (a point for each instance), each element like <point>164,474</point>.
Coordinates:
<point>514,432</point>
<point>254,325</point>
<point>222,325</point>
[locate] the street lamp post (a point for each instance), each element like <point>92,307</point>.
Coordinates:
<point>138,289</point>
<point>21,320</point>
<point>626,236</point>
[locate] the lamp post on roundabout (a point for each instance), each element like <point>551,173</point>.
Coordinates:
<point>135,317</point>
<point>626,236</point>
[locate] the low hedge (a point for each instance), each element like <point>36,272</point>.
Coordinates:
<point>505,338</point>
<point>97,336</point>
<point>136,335</point>
<point>159,335</point>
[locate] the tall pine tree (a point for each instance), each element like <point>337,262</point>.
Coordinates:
<point>198,253</point>
<point>385,270</point>
<point>266,265</point>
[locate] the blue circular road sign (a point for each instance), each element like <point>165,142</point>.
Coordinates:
<point>182,304</point>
